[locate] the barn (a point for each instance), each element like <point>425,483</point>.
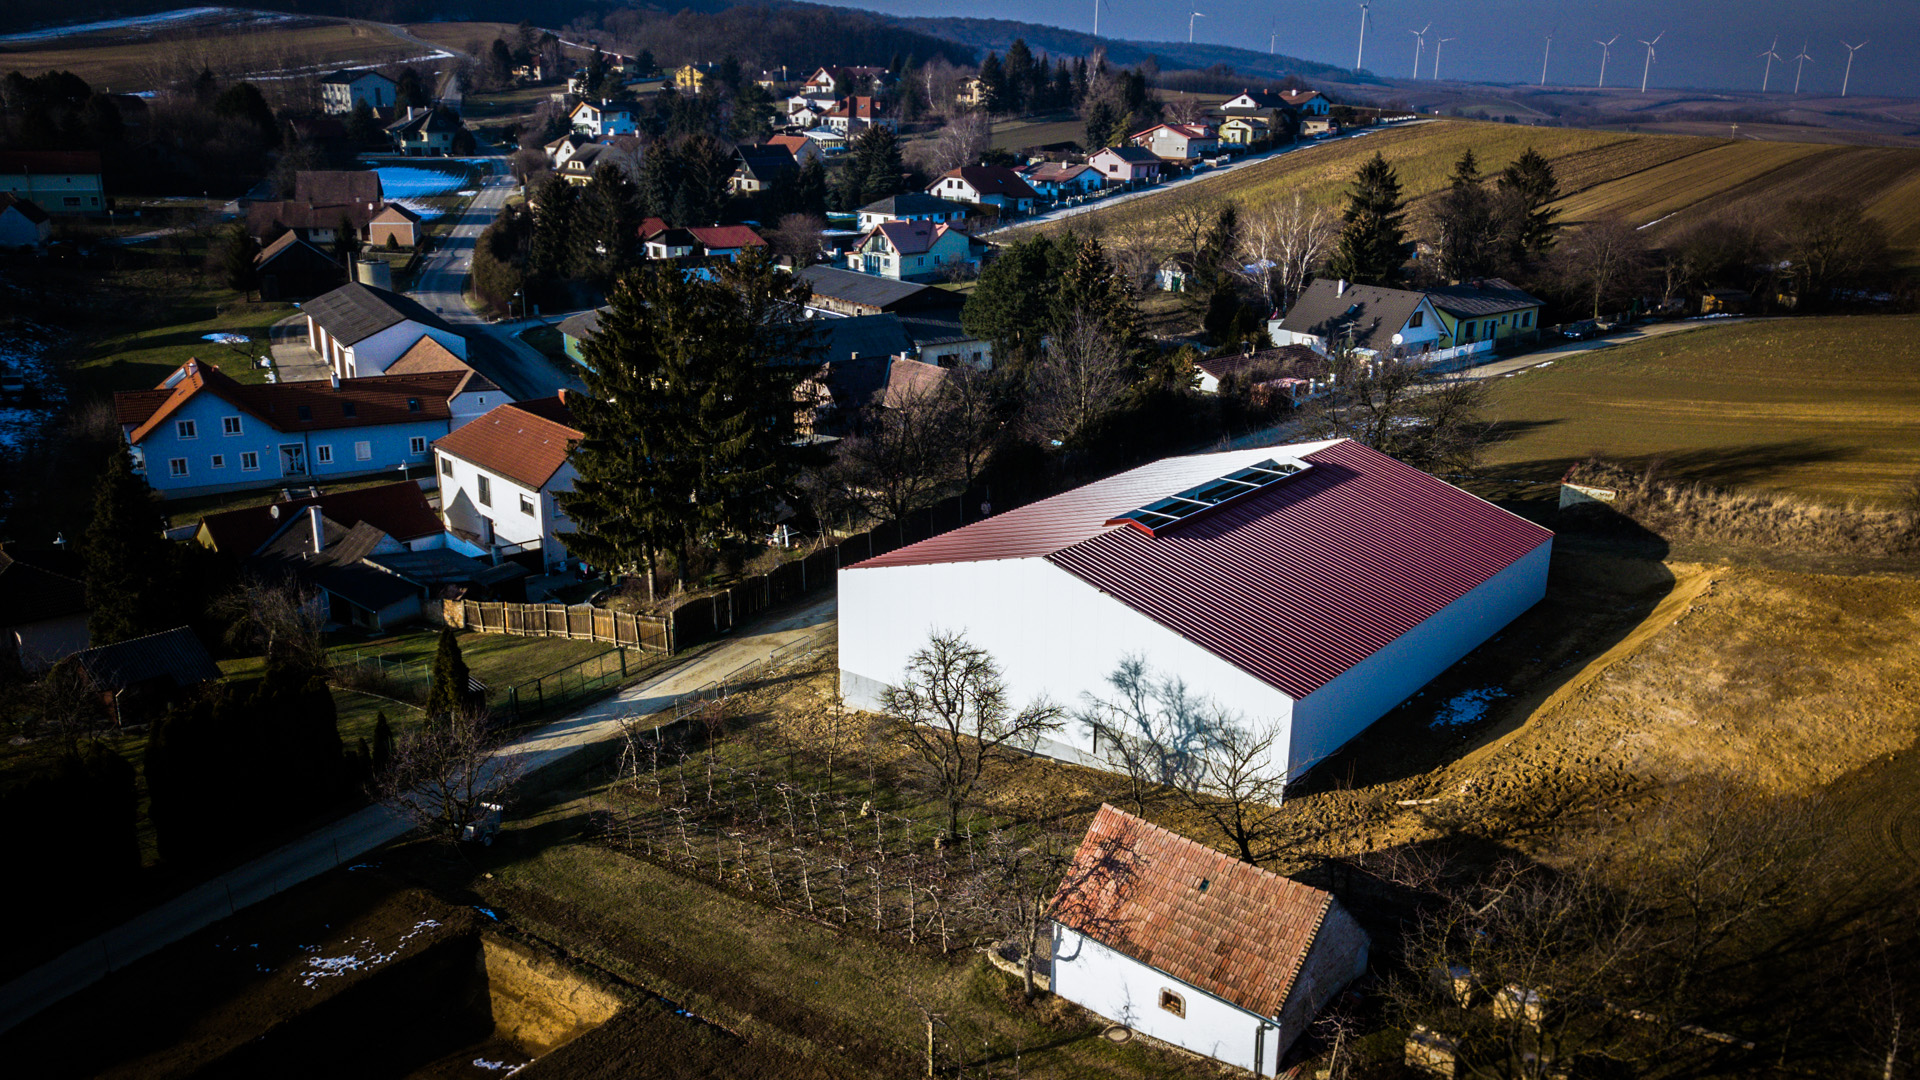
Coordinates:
<point>1307,589</point>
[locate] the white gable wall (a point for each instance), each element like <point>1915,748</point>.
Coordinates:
<point>1127,992</point>
<point>1328,718</point>
<point>1050,632</point>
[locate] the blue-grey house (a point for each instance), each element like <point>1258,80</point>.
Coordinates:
<point>201,432</point>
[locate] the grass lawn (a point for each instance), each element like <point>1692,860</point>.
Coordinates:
<point>139,357</point>
<point>499,660</point>
<point>1037,131</point>
<point>1823,407</point>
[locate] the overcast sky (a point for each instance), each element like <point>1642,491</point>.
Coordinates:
<point>1708,43</point>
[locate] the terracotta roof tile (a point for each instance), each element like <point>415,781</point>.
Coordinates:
<point>524,442</point>
<point>372,400</point>
<point>1230,928</point>
<point>399,509</point>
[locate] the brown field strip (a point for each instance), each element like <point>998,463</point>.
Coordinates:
<point>152,62</point>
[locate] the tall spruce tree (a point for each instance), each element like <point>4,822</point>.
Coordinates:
<point>689,417</point>
<point>129,563</point>
<point>1372,246</point>
<point>550,247</point>
<point>1019,69</point>
<point>1530,179</point>
<point>874,168</point>
<point>994,94</point>
<point>1464,223</point>
<point>1013,303</point>
<point>448,690</point>
<point>604,224</point>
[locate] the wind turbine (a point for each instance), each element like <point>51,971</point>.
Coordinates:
<point>1648,70</point>
<point>1848,77</point>
<point>1273,35</point>
<point>1190,17</point>
<point>1437,46</point>
<point>1420,45</point>
<point>1772,54</point>
<point>1800,64</point>
<point>1606,50</point>
<point>1545,58</point>
<point>1361,53</point>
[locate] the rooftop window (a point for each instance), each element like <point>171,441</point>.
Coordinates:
<point>1175,508</point>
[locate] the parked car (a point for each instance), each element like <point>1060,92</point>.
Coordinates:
<point>1580,331</point>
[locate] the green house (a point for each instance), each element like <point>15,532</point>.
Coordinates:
<point>1487,309</point>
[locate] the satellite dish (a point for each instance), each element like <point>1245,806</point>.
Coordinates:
<point>1399,340</point>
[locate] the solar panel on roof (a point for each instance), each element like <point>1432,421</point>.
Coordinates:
<point>1179,506</point>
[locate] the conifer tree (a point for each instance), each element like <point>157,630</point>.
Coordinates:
<point>1019,68</point>
<point>604,224</point>
<point>1530,179</point>
<point>873,169</point>
<point>128,562</point>
<point>993,84</point>
<point>1372,243</point>
<point>382,752</point>
<point>550,247</point>
<point>448,690</point>
<point>1013,303</point>
<point>689,417</point>
<point>1464,222</point>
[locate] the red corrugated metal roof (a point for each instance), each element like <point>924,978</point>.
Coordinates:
<point>1294,584</point>
<point>1230,928</point>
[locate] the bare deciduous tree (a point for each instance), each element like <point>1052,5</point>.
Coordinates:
<point>962,142</point>
<point>280,618</point>
<point>951,712</point>
<point>798,237</point>
<point>1152,731</point>
<point>1404,408</point>
<point>443,774</point>
<point>1286,242</point>
<point>1238,785</point>
<point>1075,380</point>
<point>1601,262</point>
<point>898,461</point>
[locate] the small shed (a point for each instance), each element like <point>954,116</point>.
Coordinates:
<point>395,226</point>
<point>1185,944</point>
<point>141,676</point>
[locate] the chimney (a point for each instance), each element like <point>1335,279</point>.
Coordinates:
<point>334,378</point>
<point>561,394</point>
<point>319,531</point>
<point>1341,288</point>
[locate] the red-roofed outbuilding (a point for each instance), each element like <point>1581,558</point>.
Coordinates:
<point>1190,945</point>
<point>1307,588</point>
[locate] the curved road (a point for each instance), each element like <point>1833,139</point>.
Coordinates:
<point>493,349</point>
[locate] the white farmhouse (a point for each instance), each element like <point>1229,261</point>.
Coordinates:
<point>498,476</point>
<point>363,330</point>
<point>1310,588</point>
<point>346,90</point>
<point>1180,942</point>
<point>1378,320</point>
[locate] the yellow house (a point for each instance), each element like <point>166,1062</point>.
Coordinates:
<point>969,93</point>
<point>1244,131</point>
<point>689,79</point>
<point>1488,309</point>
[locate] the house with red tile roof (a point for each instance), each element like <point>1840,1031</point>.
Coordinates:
<point>852,115</point>
<point>498,477</point>
<point>1178,142</point>
<point>1127,164</point>
<point>399,509</point>
<point>1304,590</point>
<point>1191,946</point>
<point>201,431</point>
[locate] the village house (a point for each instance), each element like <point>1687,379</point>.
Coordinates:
<point>760,168</point>
<point>425,133</point>
<point>1062,179</point>
<point>986,185</point>
<point>911,381</point>
<point>1487,310</point>
<point>57,181</point>
<point>201,432</point>
<point>1246,131</point>
<point>139,678</point>
<point>1307,102</point>
<point>1380,321</point>
<point>828,140</point>
<point>1127,165</point>
<point>1178,142</point>
<point>564,147</point>
<point>912,206</point>
<point>972,92</point>
<point>1293,371</point>
<point>362,330</point>
<point>602,119</point>
<point>344,91</point>
<point>43,615</point>
<point>850,116</point>
<point>498,477</point>
<point>915,251</point>
<point>399,509</point>
<point>841,82</point>
<point>293,269</point>
<point>1307,589</point>
<point>803,150</point>
<point>394,226</point>
<point>22,223</point>
<point>939,339</point>
<point>844,292</point>
<point>807,111</point>
<point>662,241</point>
<point>1193,947</point>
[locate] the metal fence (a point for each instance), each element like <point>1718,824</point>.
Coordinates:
<point>562,689</point>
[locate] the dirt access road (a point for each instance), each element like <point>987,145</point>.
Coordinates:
<point>584,734</point>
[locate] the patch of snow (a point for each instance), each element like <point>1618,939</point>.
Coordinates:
<point>226,339</point>
<point>23,352</point>
<point>323,967</point>
<point>426,211</point>
<point>1469,707</point>
<point>413,181</point>
<point>161,19</point>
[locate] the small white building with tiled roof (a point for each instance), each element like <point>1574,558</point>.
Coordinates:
<point>498,477</point>
<point>1185,944</point>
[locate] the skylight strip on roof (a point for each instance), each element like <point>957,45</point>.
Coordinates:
<point>1172,509</point>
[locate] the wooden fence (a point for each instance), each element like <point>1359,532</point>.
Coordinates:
<point>712,614</point>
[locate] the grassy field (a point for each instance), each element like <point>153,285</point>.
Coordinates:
<point>1662,181</point>
<point>129,60</point>
<point>1825,407</point>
